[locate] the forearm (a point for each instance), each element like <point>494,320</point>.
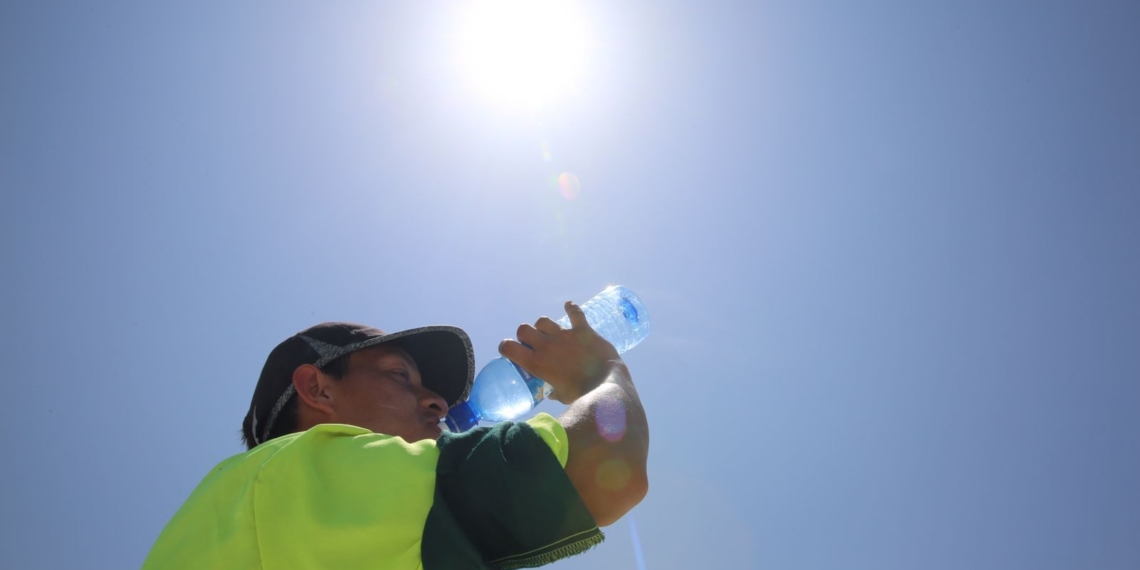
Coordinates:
<point>609,445</point>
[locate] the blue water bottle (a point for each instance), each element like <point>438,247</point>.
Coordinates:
<point>504,391</point>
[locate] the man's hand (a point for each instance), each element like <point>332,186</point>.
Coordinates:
<point>605,422</point>
<point>571,360</point>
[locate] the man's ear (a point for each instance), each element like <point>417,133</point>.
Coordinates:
<point>312,389</point>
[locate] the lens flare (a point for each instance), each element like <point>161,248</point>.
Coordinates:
<point>613,475</point>
<point>638,555</point>
<point>610,418</point>
<point>569,185</point>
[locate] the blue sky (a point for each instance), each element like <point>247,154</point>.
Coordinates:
<point>889,249</point>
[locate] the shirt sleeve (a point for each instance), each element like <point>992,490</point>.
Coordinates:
<point>552,432</point>
<point>503,500</point>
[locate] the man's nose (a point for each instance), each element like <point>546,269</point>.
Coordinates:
<point>434,402</point>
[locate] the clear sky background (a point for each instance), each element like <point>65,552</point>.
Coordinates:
<point>891,251</point>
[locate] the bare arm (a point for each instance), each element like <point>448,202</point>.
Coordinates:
<point>609,444</point>
<point>606,424</point>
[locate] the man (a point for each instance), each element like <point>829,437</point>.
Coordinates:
<point>348,468</point>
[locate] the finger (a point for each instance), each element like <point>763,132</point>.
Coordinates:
<point>547,326</point>
<point>577,316</point>
<point>516,352</point>
<point>529,335</point>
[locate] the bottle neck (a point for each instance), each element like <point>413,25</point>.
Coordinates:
<point>461,418</point>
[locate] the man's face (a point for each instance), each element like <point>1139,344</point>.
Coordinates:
<point>382,391</point>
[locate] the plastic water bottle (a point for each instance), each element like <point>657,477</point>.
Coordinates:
<point>504,391</point>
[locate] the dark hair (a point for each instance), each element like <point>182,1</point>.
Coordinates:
<point>286,422</point>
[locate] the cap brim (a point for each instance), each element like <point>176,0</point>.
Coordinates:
<point>442,353</point>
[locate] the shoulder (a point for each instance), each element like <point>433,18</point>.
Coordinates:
<point>503,493</point>
<point>343,444</point>
<point>513,443</point>
<point>341,472</point>
<point>337,459</point>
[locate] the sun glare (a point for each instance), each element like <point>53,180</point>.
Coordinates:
<point>522,52</point>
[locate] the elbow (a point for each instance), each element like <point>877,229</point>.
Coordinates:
<point>639,488</point>
<point>610,507</point>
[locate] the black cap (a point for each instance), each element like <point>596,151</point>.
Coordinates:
<point>442,353</point>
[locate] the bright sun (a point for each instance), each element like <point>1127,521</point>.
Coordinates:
<point>522,52</point>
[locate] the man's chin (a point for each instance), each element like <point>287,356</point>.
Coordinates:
<point>432,432</point>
